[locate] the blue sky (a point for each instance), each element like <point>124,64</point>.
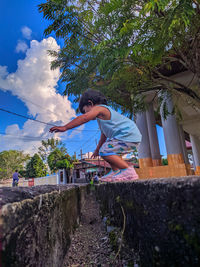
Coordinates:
<point>28,87</point>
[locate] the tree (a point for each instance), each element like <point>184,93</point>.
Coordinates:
<point>126,46</point>
<point>35,167</point>
<point>48,146</point>
<point>64,164</point>
<point>10,161</point>
<point>58,160</point>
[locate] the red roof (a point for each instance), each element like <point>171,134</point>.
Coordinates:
<point>103,163</point>
<point>97,162</point>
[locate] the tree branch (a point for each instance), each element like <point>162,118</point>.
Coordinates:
<point>181,88</point>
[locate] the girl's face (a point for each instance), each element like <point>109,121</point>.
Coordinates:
<point>87,108</point>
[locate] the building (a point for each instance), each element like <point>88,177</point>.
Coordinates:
<point>86,168</point>
<point>176,132</point>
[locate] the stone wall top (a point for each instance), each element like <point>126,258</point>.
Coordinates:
<point>10,195</point>
<point>36,223</point>
<point>162,223</point>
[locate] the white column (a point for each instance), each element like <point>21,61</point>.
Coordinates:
<point>195,150</point>
<point>183,145</point>
<point>153,137</point>
<point>58,177</point>
<point>171,133</point>
<point>144,151</point>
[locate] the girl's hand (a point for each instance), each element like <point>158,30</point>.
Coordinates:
<point>57,129</point>
<point>96,153</point>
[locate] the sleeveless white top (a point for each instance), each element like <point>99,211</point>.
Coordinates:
<point>119,127</point>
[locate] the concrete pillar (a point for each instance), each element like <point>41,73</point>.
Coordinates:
<point>183,145</point>
<point>196,152</point>
<point>73,176</point>
<point>193,162</point>
<point>171,134</point>
<point>153,137</point>
<point>144,151</point>
<point>57,178</point>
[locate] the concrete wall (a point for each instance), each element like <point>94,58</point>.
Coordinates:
<point>51,179</point>
<point>8,182</point>
<point>47,180</point>
<point>162,219</point>
<point>36,224</point>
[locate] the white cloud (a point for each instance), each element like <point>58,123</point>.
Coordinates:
<point>26,31</point>
<point>21,46</point>
<point>34,82</point>
<point>3,71</point>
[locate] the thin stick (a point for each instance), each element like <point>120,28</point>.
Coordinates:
<point>122,233</point>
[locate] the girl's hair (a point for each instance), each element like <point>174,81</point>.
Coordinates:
<point>95,97</point>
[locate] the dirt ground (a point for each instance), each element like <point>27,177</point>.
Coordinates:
<point>91,245</point>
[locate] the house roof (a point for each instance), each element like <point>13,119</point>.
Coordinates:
<point>103,163</point>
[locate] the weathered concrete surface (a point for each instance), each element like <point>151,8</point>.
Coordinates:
<point>162,218</point>
<point>36,223</point>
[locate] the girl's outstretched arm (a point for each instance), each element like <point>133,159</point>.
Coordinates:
<point>91,115</point>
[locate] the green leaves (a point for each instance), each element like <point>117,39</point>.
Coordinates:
<point>35,167</point>
<point>64,164</point>
<point>122,46</point>
<point>110,6</point>
<point>11,160</point>
<point>48,146</point>
<point>59,160</point>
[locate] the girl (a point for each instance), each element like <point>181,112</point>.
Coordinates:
<point>119,135</point>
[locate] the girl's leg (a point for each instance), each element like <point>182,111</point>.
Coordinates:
<point>114,168</point>
<point>116,162</point>
<point>123,171</point>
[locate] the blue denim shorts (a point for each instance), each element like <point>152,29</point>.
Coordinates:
<point>117,147</point>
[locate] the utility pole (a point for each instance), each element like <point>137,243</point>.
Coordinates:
<point>99,168</point>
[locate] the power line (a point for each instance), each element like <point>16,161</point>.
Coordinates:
<point>87,141</point>
<point>91,143</point>
<point>47,110</point>
<point>31,138</point>
<point>19,115</point>
<point>27,138</point>
<point>26,117</point>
